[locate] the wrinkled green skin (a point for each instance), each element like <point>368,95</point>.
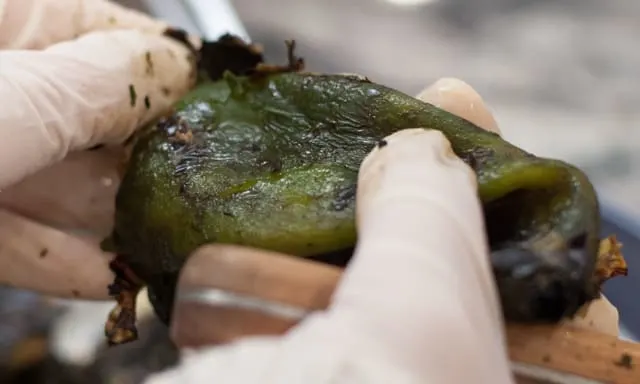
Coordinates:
<point>274,163</point>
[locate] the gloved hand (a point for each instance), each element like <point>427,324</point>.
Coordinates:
<point>73,74</point>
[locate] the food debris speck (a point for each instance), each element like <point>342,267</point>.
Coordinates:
<point>133,96</point>
<point>382,143</point>
<point>625,361</point>
<point>147,103</point>
<point>96,147</point>
<point>149,61</point>
<point>112,20</point>
<point>43,253</point>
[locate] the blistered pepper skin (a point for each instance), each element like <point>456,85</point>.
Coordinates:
<point>272,162</point>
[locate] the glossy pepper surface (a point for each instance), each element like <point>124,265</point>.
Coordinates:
<point>271,162</point>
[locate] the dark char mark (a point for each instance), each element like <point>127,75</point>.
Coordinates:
<point>344,198</point>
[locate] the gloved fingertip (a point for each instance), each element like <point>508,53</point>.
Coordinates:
<point>139,75</point>
<point>457,97</point>
<point>421,141</point>
<point>408,156</point>
<point>40,258</point>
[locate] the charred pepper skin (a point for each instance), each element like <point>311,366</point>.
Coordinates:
<point>272,162</point>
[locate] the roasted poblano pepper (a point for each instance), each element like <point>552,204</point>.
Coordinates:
<point>271,161</point>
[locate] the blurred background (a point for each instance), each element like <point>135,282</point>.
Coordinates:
<point>560,76</point>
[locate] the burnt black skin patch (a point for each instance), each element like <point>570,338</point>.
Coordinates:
<point>344,198</point>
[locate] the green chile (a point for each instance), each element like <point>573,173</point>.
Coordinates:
<point>272,162</point>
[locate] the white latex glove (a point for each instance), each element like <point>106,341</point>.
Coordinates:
<point>73,74</point>
<point>417,303</point>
